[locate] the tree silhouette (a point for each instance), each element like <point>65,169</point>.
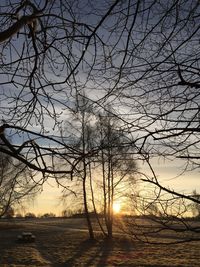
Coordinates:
<point>140,57</point>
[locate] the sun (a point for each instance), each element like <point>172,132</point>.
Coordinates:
<point>116,207</point>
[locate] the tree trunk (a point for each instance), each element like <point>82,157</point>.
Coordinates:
<point>93,203</point>
<point>84,142</point>
<point>89,224</point>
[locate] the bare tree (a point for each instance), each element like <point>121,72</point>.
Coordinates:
<point>195,206</point>
<point>78,133</point>
<point>141,57</point>
<point>115,164</point>
<point>45,49</point>
<point>107,162</point>
<point>17,183</point>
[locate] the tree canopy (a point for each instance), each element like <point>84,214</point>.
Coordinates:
<point>140,57</point>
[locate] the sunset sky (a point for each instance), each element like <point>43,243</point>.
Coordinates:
<point>136,62</point>
<point>50,198</point>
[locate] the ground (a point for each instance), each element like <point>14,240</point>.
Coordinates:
<point>64,242</point>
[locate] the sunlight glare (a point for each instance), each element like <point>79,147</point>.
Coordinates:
<point>116,207</point>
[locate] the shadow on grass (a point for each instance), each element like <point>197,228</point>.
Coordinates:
<point>82,249</point>
<point>93,252</point>
<point>104,250</point>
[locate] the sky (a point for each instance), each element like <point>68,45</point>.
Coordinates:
<point>49,200</point>
<point>143,46</point>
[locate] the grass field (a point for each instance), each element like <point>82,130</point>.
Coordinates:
<point>64,242</point>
